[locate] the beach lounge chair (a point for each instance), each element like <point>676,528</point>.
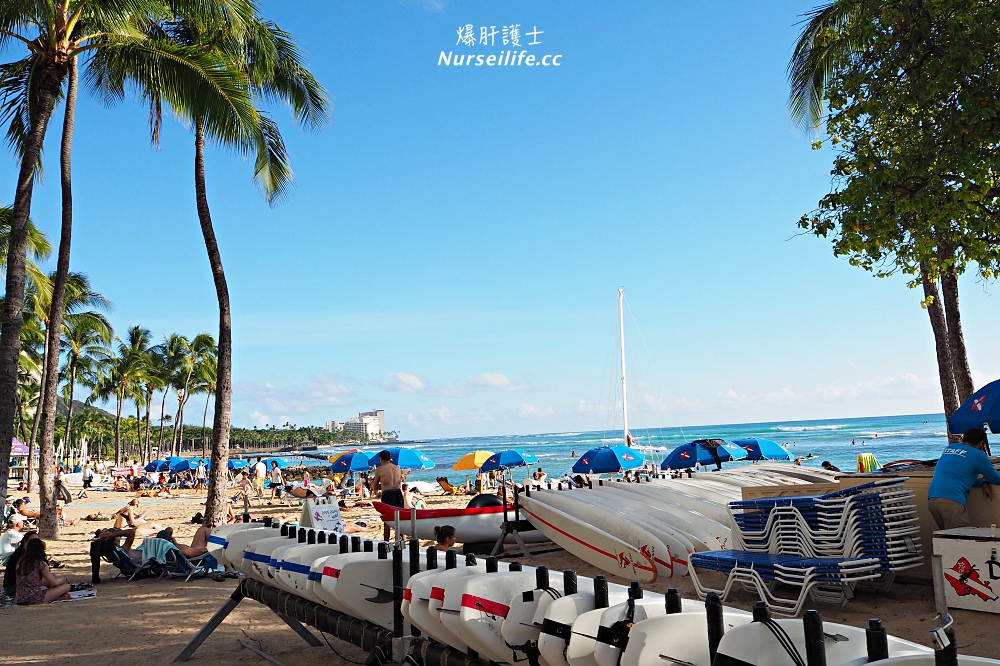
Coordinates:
<point>162,558</point>
<point>450,489</point>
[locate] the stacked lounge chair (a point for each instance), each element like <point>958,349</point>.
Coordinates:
<point>823,544</point>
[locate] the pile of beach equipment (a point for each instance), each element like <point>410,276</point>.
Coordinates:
<point>824,545</point>
<point>412,606</point>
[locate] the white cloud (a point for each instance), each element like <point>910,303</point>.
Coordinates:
<point>445,415</point>
<point>405,382</point>
<point>496,380</point>
<point>259,418</point>
<point>317,394</point>
<point>528,411</point>
<point>586,407</point>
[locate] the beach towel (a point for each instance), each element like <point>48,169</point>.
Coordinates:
<point>155,549</point>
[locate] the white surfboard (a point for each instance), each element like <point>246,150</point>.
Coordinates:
<point>366,585</point>
<point>557,626</point>
<point>445,601</point>
<point>681,639</point>
<point>651,605</point>
<point>219,539</point>
<point>716,533</point>
<point>523,623</point>
<point>293,572</point>
<point>608,552</point>
<point>330,568</point>
<point>237,542</point>
<point>754,643</point>
<point>666,547</point>
<point>257,556</point>
<point>483,603</point>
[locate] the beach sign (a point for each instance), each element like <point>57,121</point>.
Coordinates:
<point>322,514</point>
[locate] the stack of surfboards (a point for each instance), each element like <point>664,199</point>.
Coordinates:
<point>647,531</point>
<point>507,613</point>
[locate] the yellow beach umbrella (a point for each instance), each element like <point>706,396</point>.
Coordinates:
<point>472,460</point>
<point>334,458</point>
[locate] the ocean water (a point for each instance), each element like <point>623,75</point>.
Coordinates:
<point>888,438</point>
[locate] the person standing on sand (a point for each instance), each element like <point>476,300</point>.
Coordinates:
<point>259,474</point>
<point>955,474</point>
<point>386,479</point>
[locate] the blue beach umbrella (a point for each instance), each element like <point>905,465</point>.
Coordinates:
<point>508,458</point>
<point>185,465</point>
<point>157,466</point>
<point>281,462</point>
<point>356,461</point>
<point>237,463</point>
<point>608,460</point>
<point>687,455</point>
<point>762,449</point>
<point>981,409</point>
<point>405,458</point>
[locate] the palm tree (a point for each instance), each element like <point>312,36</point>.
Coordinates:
<point>206,381</point>
<point>167,358</point>
<point>203,345</point>
<point>54,33</point>
<point>86,339</point>
<point>127,371</point>
<point>828,42</point>
<point>273,64</point>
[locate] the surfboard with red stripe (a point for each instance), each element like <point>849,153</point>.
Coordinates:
<point>591,544</point>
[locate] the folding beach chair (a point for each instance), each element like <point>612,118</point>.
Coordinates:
<point>162,558</point>
<point>448,488</point>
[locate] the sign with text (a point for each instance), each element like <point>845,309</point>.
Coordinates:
<point>321,515</point>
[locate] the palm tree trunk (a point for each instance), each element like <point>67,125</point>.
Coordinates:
<point>215,507</point>
<point>48,522</point>
<point>204,426</point>
<point>118,425</point>
<point>939,326</point>
<point>49,81</point>
<point>36,422</point>
<point>149,401</point>
<point>956,340</point>
<point>69,405</point>
<point>163,410</point>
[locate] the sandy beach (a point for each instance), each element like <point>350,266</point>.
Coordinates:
<point>152,620</point>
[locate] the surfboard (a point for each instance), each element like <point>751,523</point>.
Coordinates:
<point>219,538</point>
<point>668,548</point>
<point>483,601</point>
<point>294,571</point>
<point>681,638</point>
<point>557,625</point>
<point>651,605</point>
<point>523,623</point>
<point>755,644</point>
<point>712,533</point>
<point>366,586</point>
<point>236,543</point>
<point>257,556</point>
<point>608,552</point>
<point>448,583</point>
<point>330,568</point>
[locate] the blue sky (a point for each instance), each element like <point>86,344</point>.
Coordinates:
<point>453,246</point>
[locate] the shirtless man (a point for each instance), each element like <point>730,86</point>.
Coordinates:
<point>387,479</point>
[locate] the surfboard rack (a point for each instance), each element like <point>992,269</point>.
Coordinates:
<point>512,527</point>
<point>296,611</point>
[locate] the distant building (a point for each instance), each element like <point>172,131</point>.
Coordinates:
<point>370,424</point>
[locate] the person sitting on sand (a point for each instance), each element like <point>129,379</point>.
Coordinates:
<point>445,536</point>
<point>35,583</point>
<point>10,573</point>
<point>127,516</point>
<point>11,539</point>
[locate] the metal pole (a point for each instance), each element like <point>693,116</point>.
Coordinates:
<point>716,625</point>
<point>877,640</point>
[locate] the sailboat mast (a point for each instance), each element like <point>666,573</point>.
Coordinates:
<point>621,345</point>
